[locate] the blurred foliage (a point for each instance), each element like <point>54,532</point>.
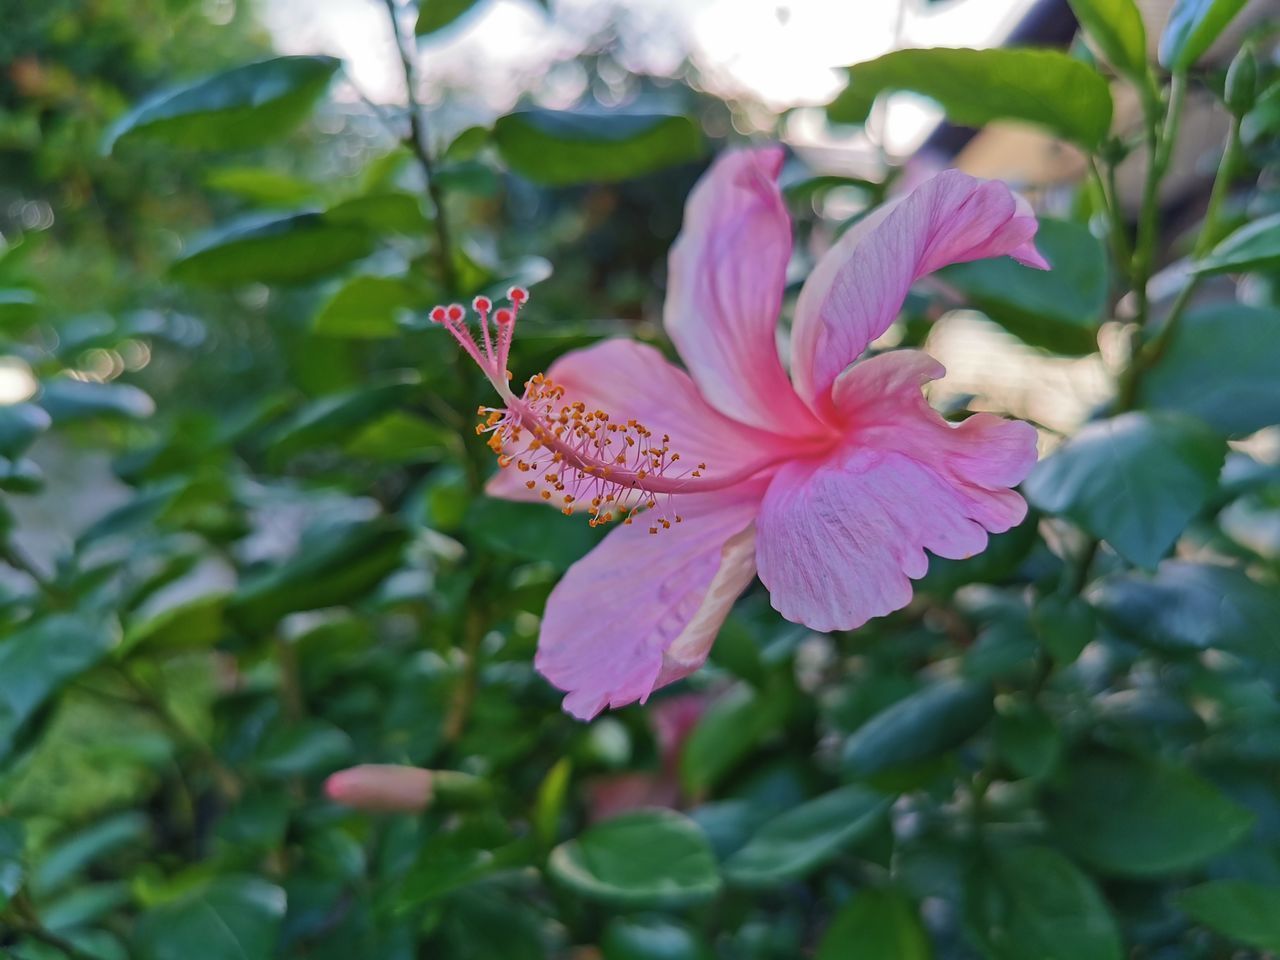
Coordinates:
<point>264,553</point>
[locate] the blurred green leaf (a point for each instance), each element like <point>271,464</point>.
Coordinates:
<point>1116,27</point>
<point>918,726</point>
<point>1026,739</point>
<point>366,308</point>
<point>232,917</point>
<point>38,658</point>
<point>435,15</point>
<point>1219,365</point>
<point>529,531</point>
<point>560,147</point>
<point>336,417</point>
<point>399,437</point>
<point>1255,246</point>
<point>18,305</point>
<point>1032,903</point>
<point>390,212</point>
<point>1064,625</point>
<point>552,794</point>
<point>1190,607</point>
<point>12,845</point>
<point>651,938</point>
<point>192,624</point>
<point>1248,912</point>
<point>1193,26</point>
<point>74,854</point>
<point>307,748</point>
<point>67,400</point>
<point>84,905</point>
<point>269,248</point>
<point>20,425</point>
<point>261,186</point>
<point>20,476</point>
<point>975,87</point>
<point>724,736</point>
<point>876,924</point>
<point>1135,480</point>
<point>242,107</point>
<point>793,845</point>
<point>1060,308</point>
<point>350,559</point>
<point>1133,817</point>
<point>654,858</point>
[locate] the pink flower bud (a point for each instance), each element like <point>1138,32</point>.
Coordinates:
<point>381,787</point>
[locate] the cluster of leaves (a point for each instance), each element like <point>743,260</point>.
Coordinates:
<point>1064,748</point>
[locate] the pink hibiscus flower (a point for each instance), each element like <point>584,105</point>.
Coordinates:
<point>830,484</point>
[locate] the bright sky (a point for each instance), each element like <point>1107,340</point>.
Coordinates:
<point>782,52</point>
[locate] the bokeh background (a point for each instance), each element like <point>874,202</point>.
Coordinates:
<point>245,543</point>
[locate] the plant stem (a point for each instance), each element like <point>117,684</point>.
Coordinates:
<point>1116,226</point>
<point>417,141</point>
<point>1221,184</point>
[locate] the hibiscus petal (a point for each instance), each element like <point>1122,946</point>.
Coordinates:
<point>642,610</point>
<point>726,277</point>
<point>840,540</point>
<point>630,380</point>
<point>858,286</point>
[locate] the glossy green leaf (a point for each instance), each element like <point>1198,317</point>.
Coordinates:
<point>1193,26</point>
<point>232,917</point>
<point>38,658</point>
<point>651,938</point>
<point>876,925</point>
<point>926,723</point>
<point>1248,912</point>
<point>192,624</point>
<point>1064,625</point>
<point>1190,607</point>
<point>1135,817</point>
<point>366,308</point>
<point>337,417</point>
<point>398,437</point>
<point>530,531</point>
<point>1116,27</point>
<point>1219,365</point>
<point>84,905</point>
<point>242,107</point>
<point>12,846</point>
<point>308,748</point>
<point>68,400</point>
<point>388,212</point>
<point>435,15</point>
<point>1135,480</point>
<point>1032,903</point>
<point>1060,308</point>
<point>20,425</point>
<point>72,855</point>
<point>1255,246</point>
<point>560,147</point>
<point>346,563</point>
<point>261,186</point>
<point>272,249</point>
<point>654,858</point>
<point>1042,87</point>
<point>1027,740</point>
<point>734,724</point>
<point>799,841</point>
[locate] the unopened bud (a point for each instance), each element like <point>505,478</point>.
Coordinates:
<point>1241,86</point>
<point>381,788</point>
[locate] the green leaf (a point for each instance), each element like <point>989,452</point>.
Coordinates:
<point>20,476</point>
<point>1248,912</point>
<point>242,107</point>
<point>876,925</point>
<point>975,87</point>
<point>391,212</point>
<point>1027,740</point>
<point>1116,27</point>
<point>12,844</point>
<point>435,15</point>
<point>724,736</point>
<point>261,186</point>
<point>793,845</point>
<point>38,658</point>
<point>20,425</point>
<point>552,793</point>
<point>651,938</point>
<point>559,147</point>
<point>1255,246</point>
<point>1193,26</point>
<point>1134,817</point>
<point>1064,626</point>
<point>366,308</point>
<point>1059,309</point>
<point>1191,607</point>
<point>529,531</point>
<point>1219,365</point>
<point>342,567</point>
<point>335,418</point>
<point>1032,903</point>
<point>18,305</point>
<point>230,918</point>
<point>67,400</point>
<point>1135,480</point>
<point>191,625</point>
<point>73,855</point>
<point>399,437</point>
<point>273,249</point>
<point>654,858</point>
<point>307,748</point>
<point>926,723</point>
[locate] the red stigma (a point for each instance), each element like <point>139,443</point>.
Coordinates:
<point>482,304</point>
<point>438,314</point>
<point>504,316</point>
<point>517,295</point>
<point>455,312</point>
